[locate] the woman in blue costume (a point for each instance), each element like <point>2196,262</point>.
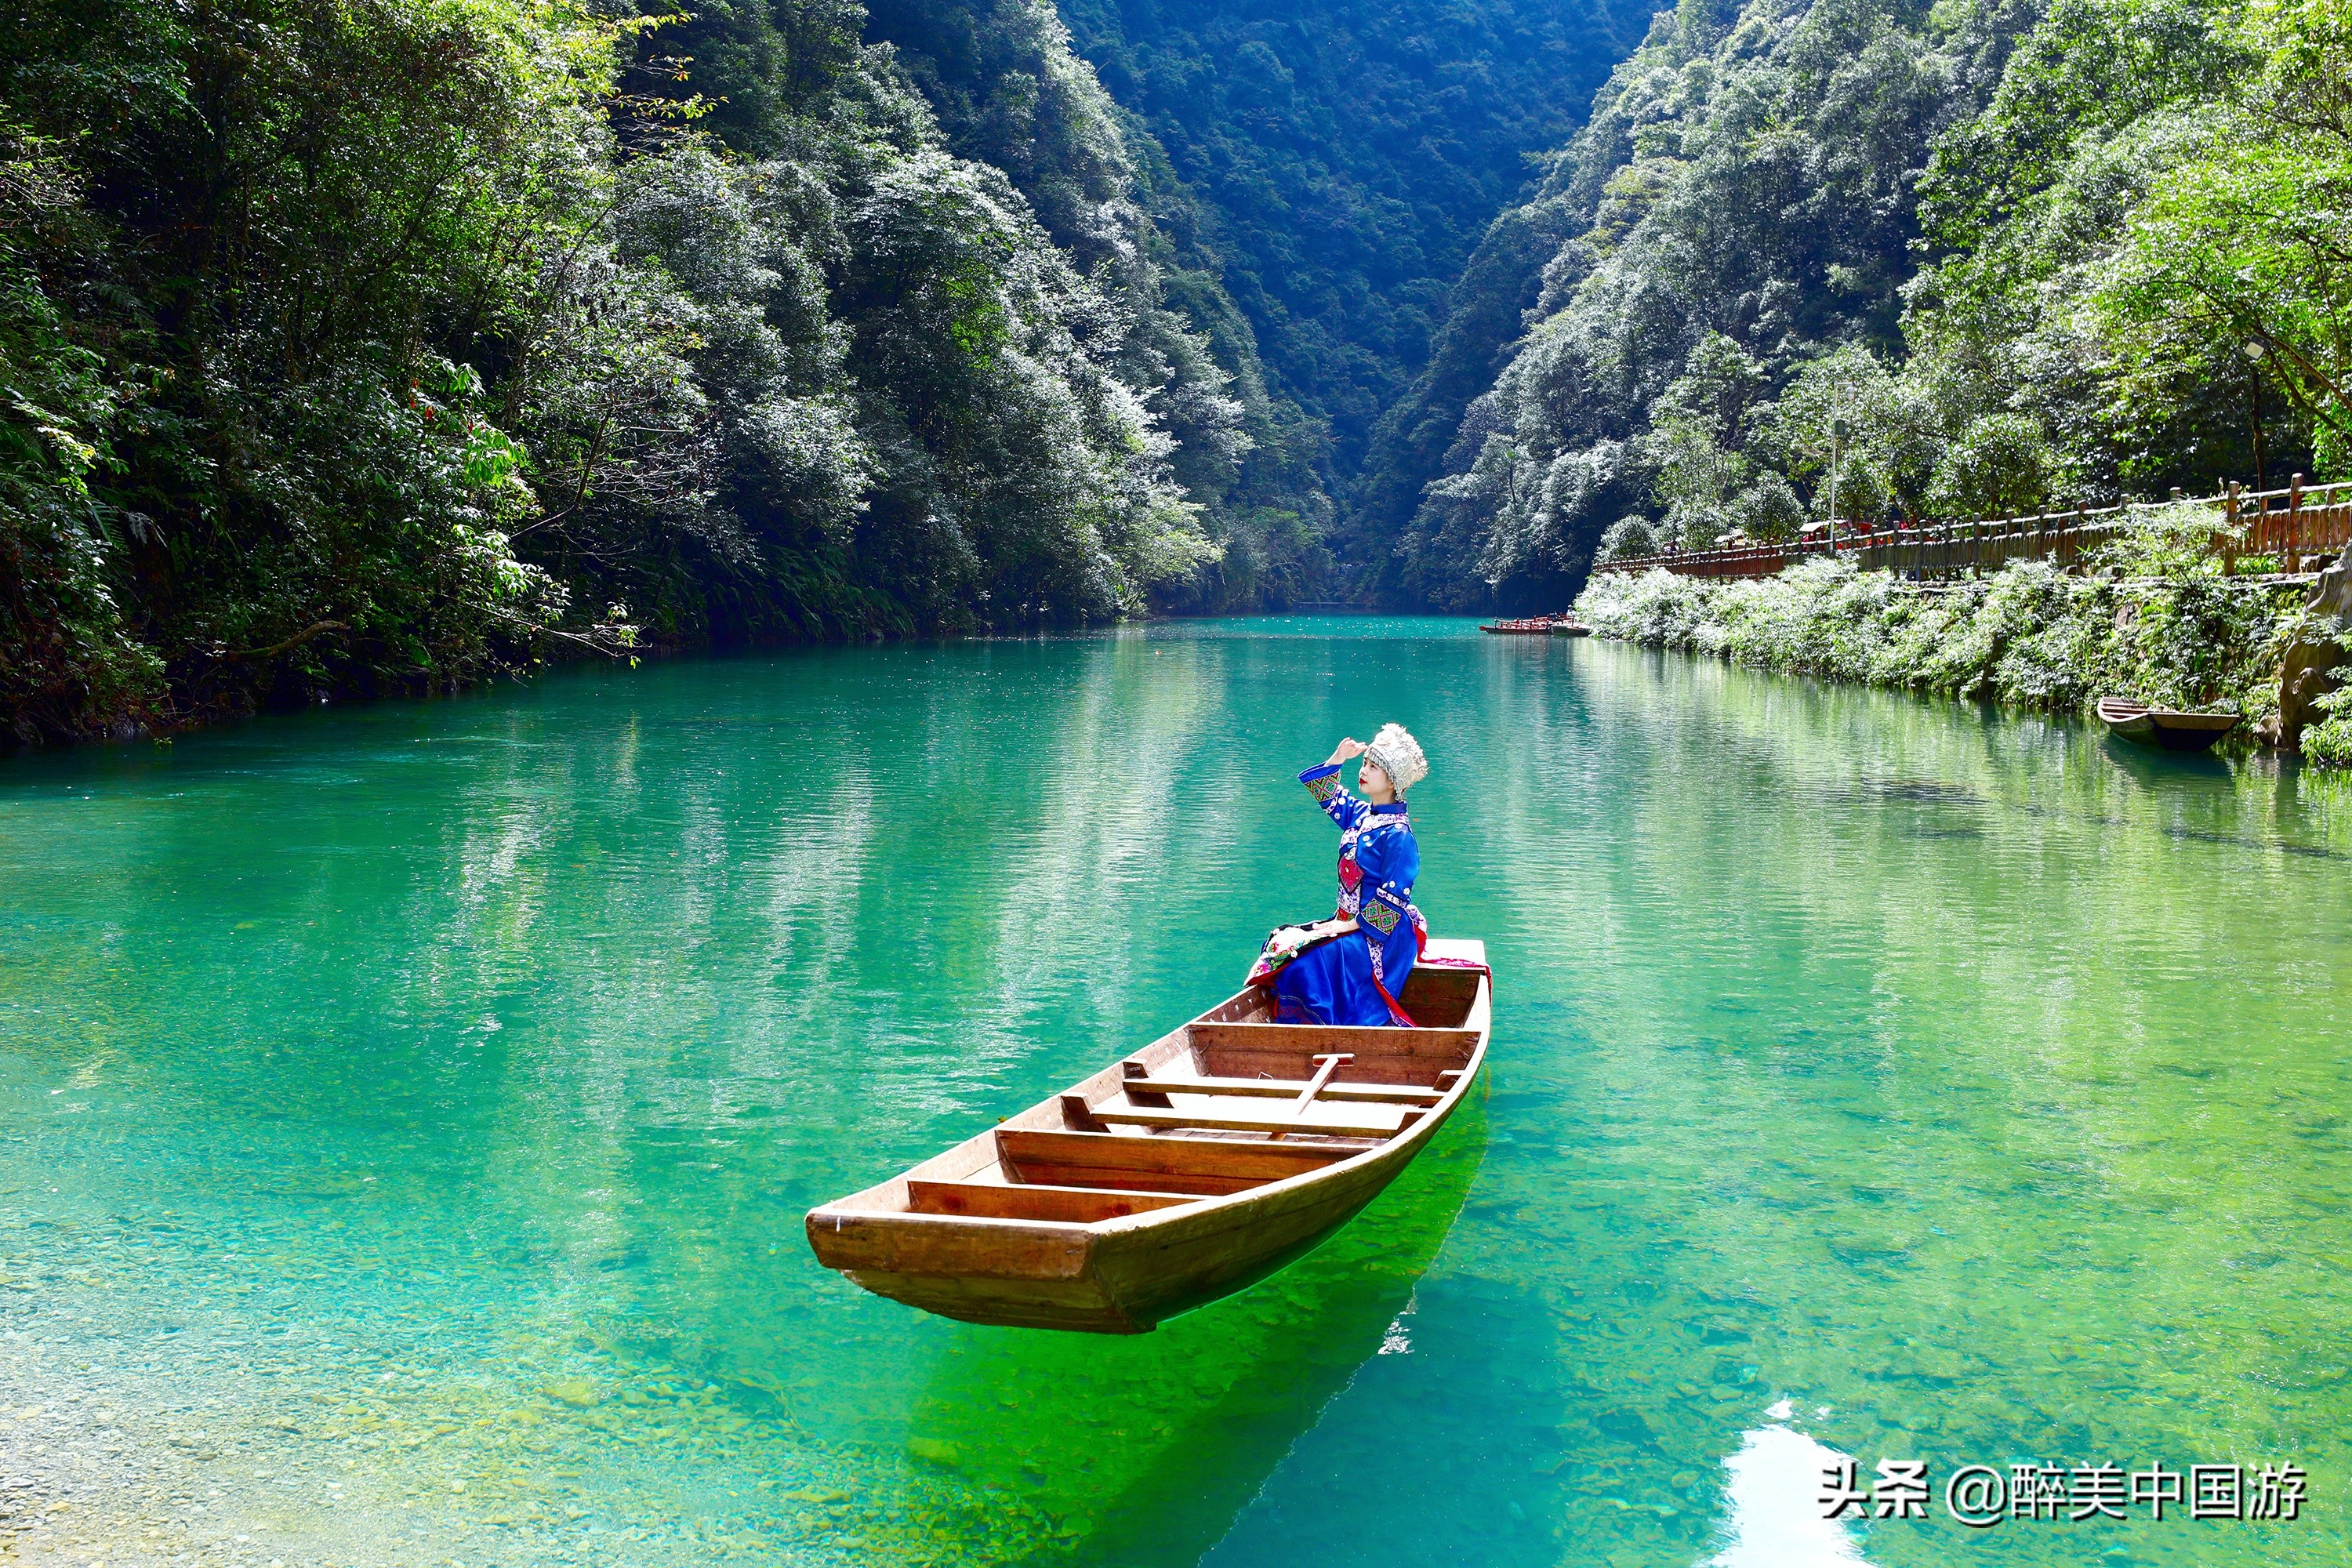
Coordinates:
<point>1352,968</point>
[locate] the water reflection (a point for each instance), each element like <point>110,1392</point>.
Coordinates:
<point>1982,1084</point>
<point>1141,1451</point>
<point>2164,770</point>
<point>1771,1520</point>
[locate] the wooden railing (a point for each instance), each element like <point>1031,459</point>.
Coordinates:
<point>2283,526</point>
<point>2288,524</point>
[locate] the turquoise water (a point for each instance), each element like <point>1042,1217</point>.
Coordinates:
<point>409,1112</point>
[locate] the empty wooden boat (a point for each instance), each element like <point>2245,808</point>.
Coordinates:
<point>2167,727</point>
<point>1190,1169</point>
<point>1569,627</point>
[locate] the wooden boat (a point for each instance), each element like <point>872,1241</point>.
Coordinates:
<point>1192,1168</point>
<point>1567,626</point>
<point>2166,727</point>
<point>1529,626</point>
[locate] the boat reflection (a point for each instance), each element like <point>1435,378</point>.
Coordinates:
<point>2157,769</point>
<point>1066,1448</point>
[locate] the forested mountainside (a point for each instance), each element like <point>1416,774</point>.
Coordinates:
<point>370,345</point>
<point>1335,163</point>
<point>1009,93</point>
<point>1305,182</point>
<point>1961,259</point>
<point>381,344</point>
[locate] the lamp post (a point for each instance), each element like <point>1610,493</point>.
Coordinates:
<point>1837,462</point>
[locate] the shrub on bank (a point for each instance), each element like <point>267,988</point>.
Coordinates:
<point>2328,744</point>
<point>2029,635</point>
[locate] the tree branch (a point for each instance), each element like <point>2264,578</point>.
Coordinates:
<point>274,649</point>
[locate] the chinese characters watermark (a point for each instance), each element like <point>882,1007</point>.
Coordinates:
<point>1982,1496</point>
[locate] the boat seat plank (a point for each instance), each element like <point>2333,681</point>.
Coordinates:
<point>1129,1162</point>
<point>1289,1089</point>
<point>1078,1205</point>
<point>1288,1051</point>
<point>1227,1122</point>
<point>1314,1039</point>
<point>1296,1068</point>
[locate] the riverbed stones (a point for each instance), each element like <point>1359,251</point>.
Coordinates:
<point>2306,675</point>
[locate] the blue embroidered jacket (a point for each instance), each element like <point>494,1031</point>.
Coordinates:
<point>1378,862</point>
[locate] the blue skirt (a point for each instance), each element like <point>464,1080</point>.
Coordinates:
<point>1331,983</point>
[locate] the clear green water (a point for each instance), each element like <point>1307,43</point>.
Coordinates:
<point>1977,1090</point>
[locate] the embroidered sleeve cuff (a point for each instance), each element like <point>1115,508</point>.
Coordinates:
<point>1385,910</point>
<point>1322,782</point>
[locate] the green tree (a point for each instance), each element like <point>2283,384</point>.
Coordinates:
<point>1845,424</point>
<point>2245,240</point>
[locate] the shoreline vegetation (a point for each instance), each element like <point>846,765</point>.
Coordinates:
<point>2154,623</point>
<point>1965,261</point>
<point>390,347</point>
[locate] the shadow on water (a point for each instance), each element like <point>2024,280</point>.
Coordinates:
<point>2159,769</point>
<point>1141,1451</point>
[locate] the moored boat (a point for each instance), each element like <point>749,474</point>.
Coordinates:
<point>2169,728</point>
<point>1570,627</point>
<point>1525,626</point>
<point>1188,1170</point>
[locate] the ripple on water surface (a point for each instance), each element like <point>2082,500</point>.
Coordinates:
<point>410,1111</point>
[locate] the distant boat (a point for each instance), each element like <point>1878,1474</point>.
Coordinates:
<point>2167,727</point>
<point>1194,1167</point>
<point>1569,627</point>
<point>1529,626</point>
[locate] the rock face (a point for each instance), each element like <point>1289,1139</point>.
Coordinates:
<point>2303,678</point>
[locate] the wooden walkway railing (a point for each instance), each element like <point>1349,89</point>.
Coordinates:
<point>2283,525</point>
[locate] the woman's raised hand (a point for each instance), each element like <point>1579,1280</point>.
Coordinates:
<point>1348,748</point>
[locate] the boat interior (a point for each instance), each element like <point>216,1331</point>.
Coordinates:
<point>2124,711</point>
<point>1230,1101</point>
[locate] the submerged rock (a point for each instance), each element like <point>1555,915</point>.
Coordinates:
<point>2306,675</point>
<point>932,1451</point>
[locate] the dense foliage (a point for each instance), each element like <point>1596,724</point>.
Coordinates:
<point>1301,183</point>
<point>1009,93</point>
<point>2028,636</point>
<point>364,346</point>
<point>1335,163</point>
<point>2328,742</point>
<point>1870,258</point>
<point>385,344</point>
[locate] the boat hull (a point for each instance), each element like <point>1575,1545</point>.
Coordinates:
<point>1127,1273</point>
<point>2165,728</point>
<point>1123,1281</point>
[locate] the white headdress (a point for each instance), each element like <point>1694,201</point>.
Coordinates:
<point>1396,753</point>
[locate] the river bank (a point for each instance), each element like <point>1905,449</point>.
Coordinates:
<point>2030,636</point>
